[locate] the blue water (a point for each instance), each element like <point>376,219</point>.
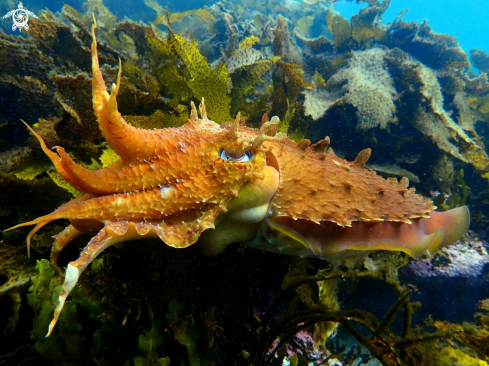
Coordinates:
<point>466,20</point>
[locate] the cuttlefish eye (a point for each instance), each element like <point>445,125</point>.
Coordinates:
<point>241,157</point>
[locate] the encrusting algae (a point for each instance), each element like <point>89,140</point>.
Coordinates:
<point>167,173</point>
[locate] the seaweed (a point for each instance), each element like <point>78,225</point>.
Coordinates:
<point>146,304</point>
<point>460,193</point>
<point>405,348</point>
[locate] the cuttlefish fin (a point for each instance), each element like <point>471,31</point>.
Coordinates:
<point>422,245</point>
<point>420,236</point>
<point>454,222</point>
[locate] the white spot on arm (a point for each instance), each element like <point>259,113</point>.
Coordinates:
<point>165,191</point>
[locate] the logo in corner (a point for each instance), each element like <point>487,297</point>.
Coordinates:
<point>20,17</point>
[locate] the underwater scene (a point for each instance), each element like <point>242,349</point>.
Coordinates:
<point>238,182</point>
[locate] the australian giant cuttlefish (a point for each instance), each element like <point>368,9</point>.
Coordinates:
<point>213,185</point>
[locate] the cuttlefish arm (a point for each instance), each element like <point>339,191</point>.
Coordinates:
<point>112,233</point>
<point>119,225</point>
<point>137,148</point>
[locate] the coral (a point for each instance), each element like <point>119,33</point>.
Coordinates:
<point>31,170</point>
<point>369,88</point>
<point>242,57</point>
<point>433,127</point>
<point>248,42</point>
<point>366,26</point>
<point>432,119</point>
<point>432,92</point>
<point>466,119</point>
<point>320,44</point>
<point>159,119</point>
<point>319,80</point>
<point>341,29</point>
<point>203,14</point>
<point>281,43</point>
<point>294,72</point>
<point>58,179</point>
<point>203,79</point>
<point>108,156</point>
<point>459,193</point>
<point>480,104</point>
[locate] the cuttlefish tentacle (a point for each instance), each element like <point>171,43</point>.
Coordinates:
<point>61,240</point>
<point>104,239</point>
<point>179,235</point>
<point>146,205</point>
<point>40,222</point>
<point>38,227</point>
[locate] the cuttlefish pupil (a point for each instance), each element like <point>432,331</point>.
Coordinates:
<point>241,157</point>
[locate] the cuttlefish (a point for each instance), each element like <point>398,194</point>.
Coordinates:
<point>212,185</point>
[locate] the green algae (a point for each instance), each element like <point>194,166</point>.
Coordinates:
<point>58,179</point>
<point>148,344</point>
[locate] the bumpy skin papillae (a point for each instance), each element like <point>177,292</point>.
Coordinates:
<point>169,183</point>
<point>331,208</point>
<point>290,198</point>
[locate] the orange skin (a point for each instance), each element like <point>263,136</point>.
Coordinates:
<point>216,184</point>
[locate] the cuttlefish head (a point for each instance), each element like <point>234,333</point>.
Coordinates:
<point>239,153</point>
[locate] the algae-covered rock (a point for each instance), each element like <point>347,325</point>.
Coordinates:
<point>480,59</point>
<point>15,270</point>
<point>369,88</point>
